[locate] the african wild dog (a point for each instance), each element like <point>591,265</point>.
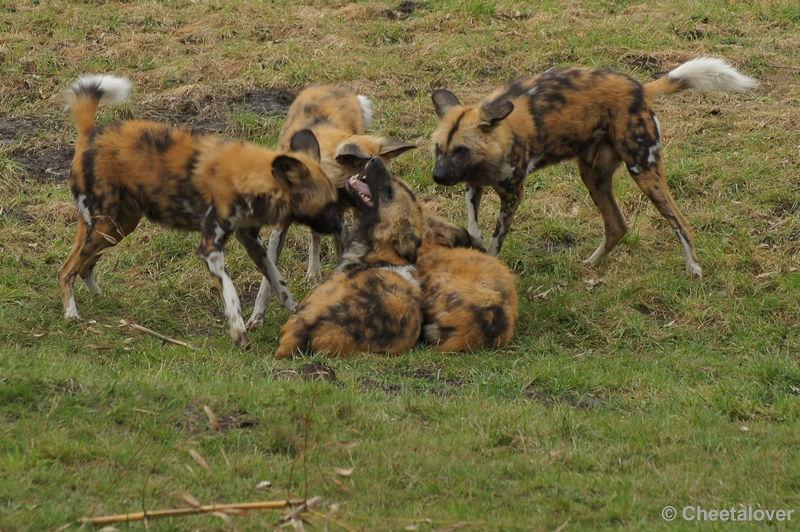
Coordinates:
<point>338,117</point>
<point>600,117</point>
<point>372,303</point>
<point>184,179</point>
<point>469,298</point>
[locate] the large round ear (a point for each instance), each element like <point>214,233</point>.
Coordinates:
<point>391,148</point>
<point>443,101</point>
<point>304,141</point>
<point>494,112</point>
<point>352,154</point>
<point>407,247</point>
<point>289,172</point>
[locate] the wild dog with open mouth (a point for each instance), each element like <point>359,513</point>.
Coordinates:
<point>372,303</point>
<point>184,179</point>
<point>338,118</point>
<point>469,298</point>
<point>600,117</point>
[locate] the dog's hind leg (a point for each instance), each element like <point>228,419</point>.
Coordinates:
<point>597,171</point>
<point>314,251</point>
<point>127,221</point>
<point>277,239</point>
<point>651,180</point>
<point>90,241</point>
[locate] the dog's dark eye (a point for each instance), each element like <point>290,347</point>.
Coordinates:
<point>461,151</point>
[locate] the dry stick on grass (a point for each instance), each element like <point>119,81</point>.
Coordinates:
<point>157,334</point>
<point>173,512</point>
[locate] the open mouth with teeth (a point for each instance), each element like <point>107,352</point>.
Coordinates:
<point>359,189</point>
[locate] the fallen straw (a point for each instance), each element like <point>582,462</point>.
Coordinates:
<point>140,516</point>
<point>157,334</point>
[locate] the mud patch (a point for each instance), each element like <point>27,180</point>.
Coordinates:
<point>195,421</point>
<point>403,11</point>
<point>48,166</point>
<point>549,400</point>
<point>659,315</point>
<point>14,130</point>
<point>274,101</point>
<point>642,63</point>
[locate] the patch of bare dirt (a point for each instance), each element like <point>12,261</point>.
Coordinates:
<point>275,101</point>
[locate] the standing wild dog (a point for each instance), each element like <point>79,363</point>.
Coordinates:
<point>469,298</point>
<point>372,303</point>
<point>184,179</point>
<point>338,118</point>
<point>600,117</point>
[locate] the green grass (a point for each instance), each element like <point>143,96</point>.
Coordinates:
<point>628,386</point>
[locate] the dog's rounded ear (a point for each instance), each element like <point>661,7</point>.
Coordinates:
<point>288,172</point>
<point>352,154</point>
<point>443,101</point>
<point>304,141</point>
<point>391,148</point>
<point>407,247</point>
<point>494,112</point>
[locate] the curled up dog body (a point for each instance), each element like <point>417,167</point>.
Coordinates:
<point>599,117</point>
<point>188,180</point>
<point>338,117</point>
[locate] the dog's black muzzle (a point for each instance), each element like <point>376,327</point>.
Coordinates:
<point>445,174</point>
<point>326,223</point>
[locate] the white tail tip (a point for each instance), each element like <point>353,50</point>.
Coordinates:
<point>712,74</point>
<point>110,89</point>
<point>366,110</point>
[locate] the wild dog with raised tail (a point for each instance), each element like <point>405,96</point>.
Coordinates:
<point>338,117</point>
<point>599,117</point>
<point>184,179</point>
<point>372,303</point>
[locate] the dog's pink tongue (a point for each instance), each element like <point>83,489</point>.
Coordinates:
<point>361,187</point>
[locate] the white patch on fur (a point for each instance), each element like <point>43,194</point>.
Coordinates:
<point>712,74</point>
<point>115,89</point>
<point>634,169</point>
<point>532,164</point>
<point>216,265</point>
<point>473,228</point>
<point>653,151</point>
<point>83,209</point>
<point>533,90</point>
<point>71,313</point>
<point>92,285</point>
<point>352,255</point>
<point>658,126</point>
<point>219,233</point>
<point>366,110</point>
<point>406,272</point>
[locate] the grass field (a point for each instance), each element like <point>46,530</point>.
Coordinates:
<point>628,387</point>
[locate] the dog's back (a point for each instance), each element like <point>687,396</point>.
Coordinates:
<point>469,299</point>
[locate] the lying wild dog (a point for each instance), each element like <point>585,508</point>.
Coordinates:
<point>184,179</point>
<point>338,118</point>
<point>372,303</point>
<point>600,117</point>
<point>469,298</point>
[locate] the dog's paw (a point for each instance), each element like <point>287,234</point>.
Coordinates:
<point>240,339</point>
<point>255,321</point>
<point>694,270</point>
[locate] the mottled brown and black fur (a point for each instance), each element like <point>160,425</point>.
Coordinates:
<point>188,180</point>
<point>469,298</point>
<point>338,117</point>
<point>372,303</point>
<point>599,117</point>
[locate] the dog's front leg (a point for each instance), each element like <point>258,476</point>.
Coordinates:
<point>215,234</point>
<point>509,202</point>
<point>252,242</point>
<point>473,195</point>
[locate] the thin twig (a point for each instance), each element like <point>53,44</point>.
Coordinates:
<point>307,505</point>
<point>786,67</point>
<point>158,335</point>
<point>172,512</point>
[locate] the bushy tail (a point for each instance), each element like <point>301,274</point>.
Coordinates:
<point>88,92</point>
<point>366,110</point>
<point>702,74</point>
